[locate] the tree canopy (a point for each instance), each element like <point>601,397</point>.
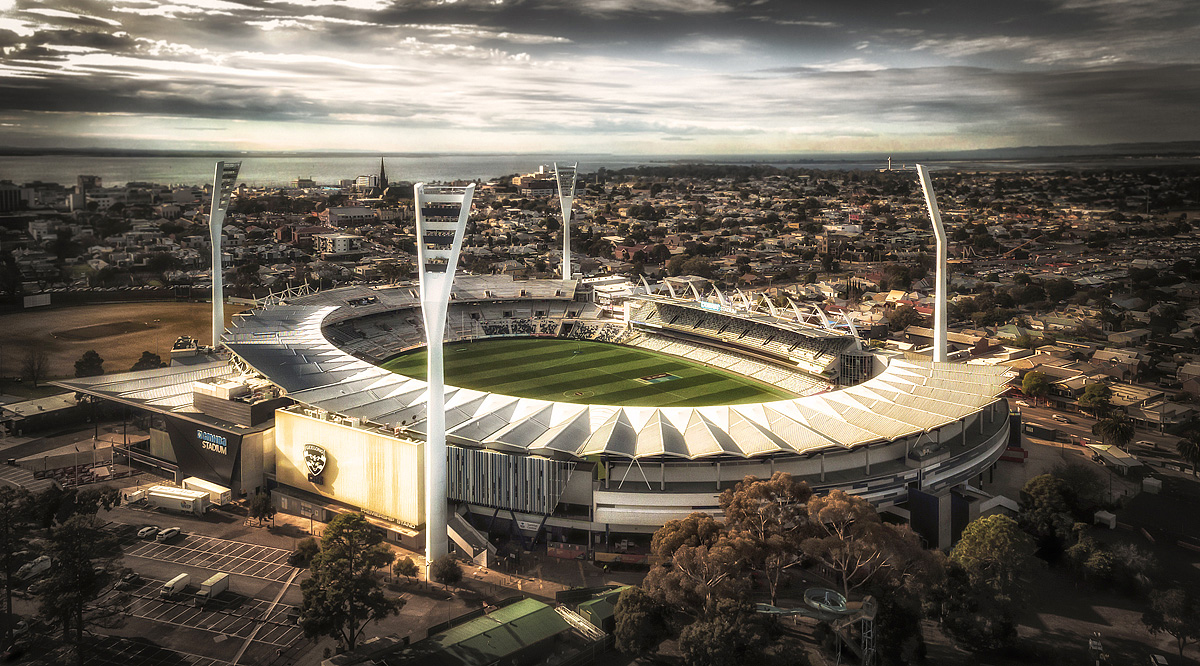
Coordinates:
<point>1175,613</point>
<point>996,555</point>
<point>772,515</point>
<point>89,365</point>
<point>343,595</point>
<point>698,562</point>
<point>83,554</point>
<point>1035,385</point>
<point>1116,428</point>
<point>148,361</point>
<point>640,622</point>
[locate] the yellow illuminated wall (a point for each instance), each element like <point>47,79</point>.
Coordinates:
<point>376,472</point>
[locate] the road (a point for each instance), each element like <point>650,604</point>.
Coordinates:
<point>1081,427</point>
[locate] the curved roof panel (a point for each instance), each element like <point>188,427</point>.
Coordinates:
<point>286,344</point>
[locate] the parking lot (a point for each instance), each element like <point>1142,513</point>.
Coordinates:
<point>117,651</point>
<point>235,557</point>
<point>230,615</point>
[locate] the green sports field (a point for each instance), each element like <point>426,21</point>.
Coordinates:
<point>587,372</point>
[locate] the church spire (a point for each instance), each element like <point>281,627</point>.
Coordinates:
<point>382,176</point>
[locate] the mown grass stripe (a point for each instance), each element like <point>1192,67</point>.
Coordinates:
<point>550,369</point>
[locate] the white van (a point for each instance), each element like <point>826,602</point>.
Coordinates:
<point>175,585</point>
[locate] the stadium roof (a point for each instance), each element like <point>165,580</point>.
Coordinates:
<point>287,346</point>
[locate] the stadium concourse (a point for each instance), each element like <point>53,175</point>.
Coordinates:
<point>579,475</point>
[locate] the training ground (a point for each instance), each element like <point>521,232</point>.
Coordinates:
<point>585,372</point>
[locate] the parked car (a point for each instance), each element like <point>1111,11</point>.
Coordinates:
<point>1061,419</point>
<point>148,532</point>
<point>1022,403</point>
<point>128,581</point>
<point>168,534</point>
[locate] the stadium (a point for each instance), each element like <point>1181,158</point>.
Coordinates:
<point>576,417</point>
<point>574,447</point>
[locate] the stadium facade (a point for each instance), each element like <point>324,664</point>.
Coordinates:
<point>303,408</point>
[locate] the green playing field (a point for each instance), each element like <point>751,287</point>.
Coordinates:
<point>587,372</point>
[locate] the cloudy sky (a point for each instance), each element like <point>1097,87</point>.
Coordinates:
<point>608,76</point>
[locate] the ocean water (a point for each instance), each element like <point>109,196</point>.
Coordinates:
<point>329,170</point>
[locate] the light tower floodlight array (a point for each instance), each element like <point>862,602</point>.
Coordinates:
<point>223,182</point>
<point>939,296</point>
<point>441,223</point>
<point>565,177</point>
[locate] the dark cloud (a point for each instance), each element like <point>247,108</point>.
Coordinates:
<point>663,70</point>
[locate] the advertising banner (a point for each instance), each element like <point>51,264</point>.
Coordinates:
<point>205,451</point>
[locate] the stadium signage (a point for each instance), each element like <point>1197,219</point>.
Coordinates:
<point>211,442</point>
<point>315,458</point>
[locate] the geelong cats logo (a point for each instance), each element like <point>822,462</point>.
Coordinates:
<point>315,458</point>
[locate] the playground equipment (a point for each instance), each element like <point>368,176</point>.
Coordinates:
<point>830,606</point>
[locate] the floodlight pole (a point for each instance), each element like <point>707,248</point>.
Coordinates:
<point>225,176</point>
<point>565,179</point>
<point>441,224</point>
<point>939,294</point>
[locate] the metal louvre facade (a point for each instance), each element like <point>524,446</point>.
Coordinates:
<point>517,483</point>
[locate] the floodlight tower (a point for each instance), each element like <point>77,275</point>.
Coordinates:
<point>441,224</point>
<point>565,176</point>
<point>223,181</point>
<point>939,294</point>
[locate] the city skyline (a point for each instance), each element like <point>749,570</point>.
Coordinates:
<point>649,77</point>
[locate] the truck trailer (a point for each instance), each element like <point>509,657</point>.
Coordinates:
<point>178,499</point>
<point>209,589</point>
<point>218,495</point>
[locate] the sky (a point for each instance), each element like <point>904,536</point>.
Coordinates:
<point>598,76</point>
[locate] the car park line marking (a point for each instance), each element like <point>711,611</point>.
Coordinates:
<point>234,557</point>
<point>274,603</point>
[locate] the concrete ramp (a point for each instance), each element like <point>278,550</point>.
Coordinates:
<point>472,542</point>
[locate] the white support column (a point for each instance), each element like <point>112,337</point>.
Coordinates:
<point>441,222</point>
<point>940,295</point>
<point>224,178</point>
<point>565,177</point>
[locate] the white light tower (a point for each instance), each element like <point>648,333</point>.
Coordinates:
<point>441,224</point>
<point>223,181</point>
<point>565,176</point>
<point>939,294</point>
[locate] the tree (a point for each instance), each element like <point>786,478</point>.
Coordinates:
<point>83,553</point>
<point>848,537</point>
<point>446,570</point>
<point>640,622</point>
<point>1115,429</point>
<point>1035,385</point>
<point>772,514</point>
<point>89,365</point>
<point>997,556</point>
<point>1045,512</point>
<point>727,638</point>
<point>14,533</point>
<point>1173,612</point>
<point>697,563</point>
<point>406,567</point>
<point>1082,487</point>
<point>148,361</point>
<point>343,594</point>
<point>55,506</point>
<point>969,614</point>
<point>903,317</point>
<point>33,366</point>
<point>1189,450</point>
<point>1096,399</point>
<point>261,508</point>
<point>306,550</point>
